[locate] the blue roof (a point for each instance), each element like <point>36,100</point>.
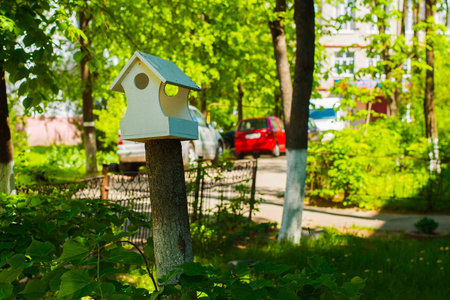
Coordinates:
<point>165,70</point>
<point>169,71</point>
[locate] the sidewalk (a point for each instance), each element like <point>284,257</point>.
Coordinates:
<point>271,210</point>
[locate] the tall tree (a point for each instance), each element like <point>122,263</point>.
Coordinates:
<point>26,57</point>
<point>281,56</point>
<point>90,144</point>
<point>6,143</point>
<point>428,103</point>
<point>296,120</point>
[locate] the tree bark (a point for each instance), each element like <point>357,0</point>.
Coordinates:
<point>281,59</point>
<point>382,25</point>
<point>90,144</point>
<point>171,232</point>
<point>296,118</point>
<point>240,99</point>
<point>428,104</point>
<point>404,18</point>
<point>6,144</point>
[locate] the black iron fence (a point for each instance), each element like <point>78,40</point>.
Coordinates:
<point>359,178</point>
<point>209,189</point>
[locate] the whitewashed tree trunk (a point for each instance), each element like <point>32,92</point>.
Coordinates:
<point>6,144</point>
<point>7,178</point>
<point>291,226</point>
<point>297,122</point>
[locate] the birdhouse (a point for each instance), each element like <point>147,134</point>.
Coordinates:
<point>151,113</point>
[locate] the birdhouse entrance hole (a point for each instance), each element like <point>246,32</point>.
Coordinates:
<point>171,90</point>
<point>141,81</point>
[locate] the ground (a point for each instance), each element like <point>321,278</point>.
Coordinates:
<point>270,184</point>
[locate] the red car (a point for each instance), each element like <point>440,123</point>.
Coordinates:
<point>260,135</point>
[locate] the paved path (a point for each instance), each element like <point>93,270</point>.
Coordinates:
<point>270,184</point>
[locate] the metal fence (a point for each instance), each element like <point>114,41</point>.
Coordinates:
<point>383,178</point>
<point>207,188</point>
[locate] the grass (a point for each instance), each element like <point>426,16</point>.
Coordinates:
<point>394,266</point>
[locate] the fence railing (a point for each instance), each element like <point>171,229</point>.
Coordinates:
<point>207,188</point>
<point>386,178</point>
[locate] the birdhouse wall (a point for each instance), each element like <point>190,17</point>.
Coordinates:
<point>175,106</point>
<point>144,116</point>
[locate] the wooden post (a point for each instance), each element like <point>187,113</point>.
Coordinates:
<point>252,194</point>
<point>198,180</point>
<point>105,187</point>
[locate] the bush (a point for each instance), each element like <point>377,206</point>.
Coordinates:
<point>263,280</point>
<point>426,225</point>
<point>56,246</point>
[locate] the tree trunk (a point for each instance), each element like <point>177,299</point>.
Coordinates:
<point>90,144</point>
<point>392,101</point>
<point>6,144</point>
<point>281,59</point>
<point>428,103</point>
<point>296,118</point>
<point>240,99</point>
<point>171,233</point>
<point>404,18</point>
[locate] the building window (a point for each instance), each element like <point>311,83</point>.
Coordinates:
<point>346,15</point>
<point>374,61</point>
<point>374,26</point>
<point>344,63</point>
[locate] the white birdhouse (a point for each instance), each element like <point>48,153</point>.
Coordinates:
<point>151,113</point>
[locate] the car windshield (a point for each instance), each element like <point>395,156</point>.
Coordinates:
<point>253,124</point>
<point>327,113</point>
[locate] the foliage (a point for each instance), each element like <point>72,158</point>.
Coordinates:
<point>426,225</point>
<point>386,159</point>
<point>383,259</point>
<point>107,124</point>
<point>54,246</point>
<point>28,48</point>
<point>262,280</point>
<point>53,164</point>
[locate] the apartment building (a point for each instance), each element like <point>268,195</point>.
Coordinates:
<point>346,49</point>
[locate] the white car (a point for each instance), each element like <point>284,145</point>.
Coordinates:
<point>209,145</point>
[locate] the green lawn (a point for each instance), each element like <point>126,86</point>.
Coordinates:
<point>394,266</point>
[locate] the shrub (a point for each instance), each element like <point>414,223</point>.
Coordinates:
<point>426,225</point>
<point>263,280</point>
<point>57,246</point>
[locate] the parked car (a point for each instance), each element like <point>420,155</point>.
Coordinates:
<point>327,114</point>
<point>260,135</point>
<point>209,145</point>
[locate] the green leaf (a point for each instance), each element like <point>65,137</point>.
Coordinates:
<point>9,275</point>
<point>185,296</point>
<point>155,294</point>
<point>6,290</point>
<point>119,297</point>
<point>193,269</point>
<point>240,290</point>
<point>19,261</point>
<point>107,287</point>
<point>78,56</point>
<point>351,289</point>
<point>40,249</point>
<point>76,284</point>
<point>169,275</point>
<point>35,289</point>
<point>27,102</point>
<point>123,256</point>
<point>73,250</point>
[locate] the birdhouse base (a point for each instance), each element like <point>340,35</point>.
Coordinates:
<point>175,129</point>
